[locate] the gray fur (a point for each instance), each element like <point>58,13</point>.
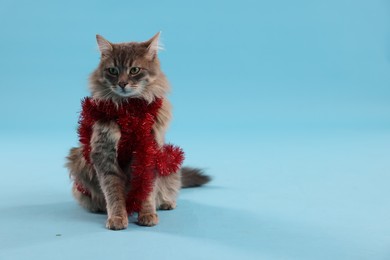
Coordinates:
<point>112,180</point>
<point>193,177</point>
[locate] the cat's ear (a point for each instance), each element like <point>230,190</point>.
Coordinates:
<point>105,46</point>
<point>153,45</point>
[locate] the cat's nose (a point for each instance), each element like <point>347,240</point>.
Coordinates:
<point>122,84</point>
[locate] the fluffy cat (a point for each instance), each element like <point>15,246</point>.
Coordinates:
<point>127,71</point>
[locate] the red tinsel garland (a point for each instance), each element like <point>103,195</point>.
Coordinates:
<point>137,144</point>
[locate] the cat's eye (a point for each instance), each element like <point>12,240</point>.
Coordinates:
<point>134,70</point>
<point>113,71</point>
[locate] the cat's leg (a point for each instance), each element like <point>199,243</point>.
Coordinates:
<point>104,143</point>
<point>163,197</point>
<point>148,214</point>
<point>86,188</point>
<point>167,189</point>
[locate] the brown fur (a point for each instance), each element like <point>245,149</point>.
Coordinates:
<point>106,181</point>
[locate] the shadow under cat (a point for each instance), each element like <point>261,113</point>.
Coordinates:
<point>238,229</point>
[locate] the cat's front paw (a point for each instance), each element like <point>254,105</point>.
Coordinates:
<point>149,219</point>
<point>117,222</point>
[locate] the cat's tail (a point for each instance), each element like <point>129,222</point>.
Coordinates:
<point>193,177</point>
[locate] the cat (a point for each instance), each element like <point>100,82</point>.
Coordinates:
<point>127,72</point>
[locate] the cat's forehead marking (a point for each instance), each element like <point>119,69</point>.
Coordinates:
<point>125,55</point>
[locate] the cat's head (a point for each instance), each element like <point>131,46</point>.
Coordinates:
<point>128,70</point>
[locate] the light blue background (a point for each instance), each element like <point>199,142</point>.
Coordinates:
<point>285,103</point>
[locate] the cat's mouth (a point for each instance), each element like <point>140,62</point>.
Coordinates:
<point>126,91</point>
